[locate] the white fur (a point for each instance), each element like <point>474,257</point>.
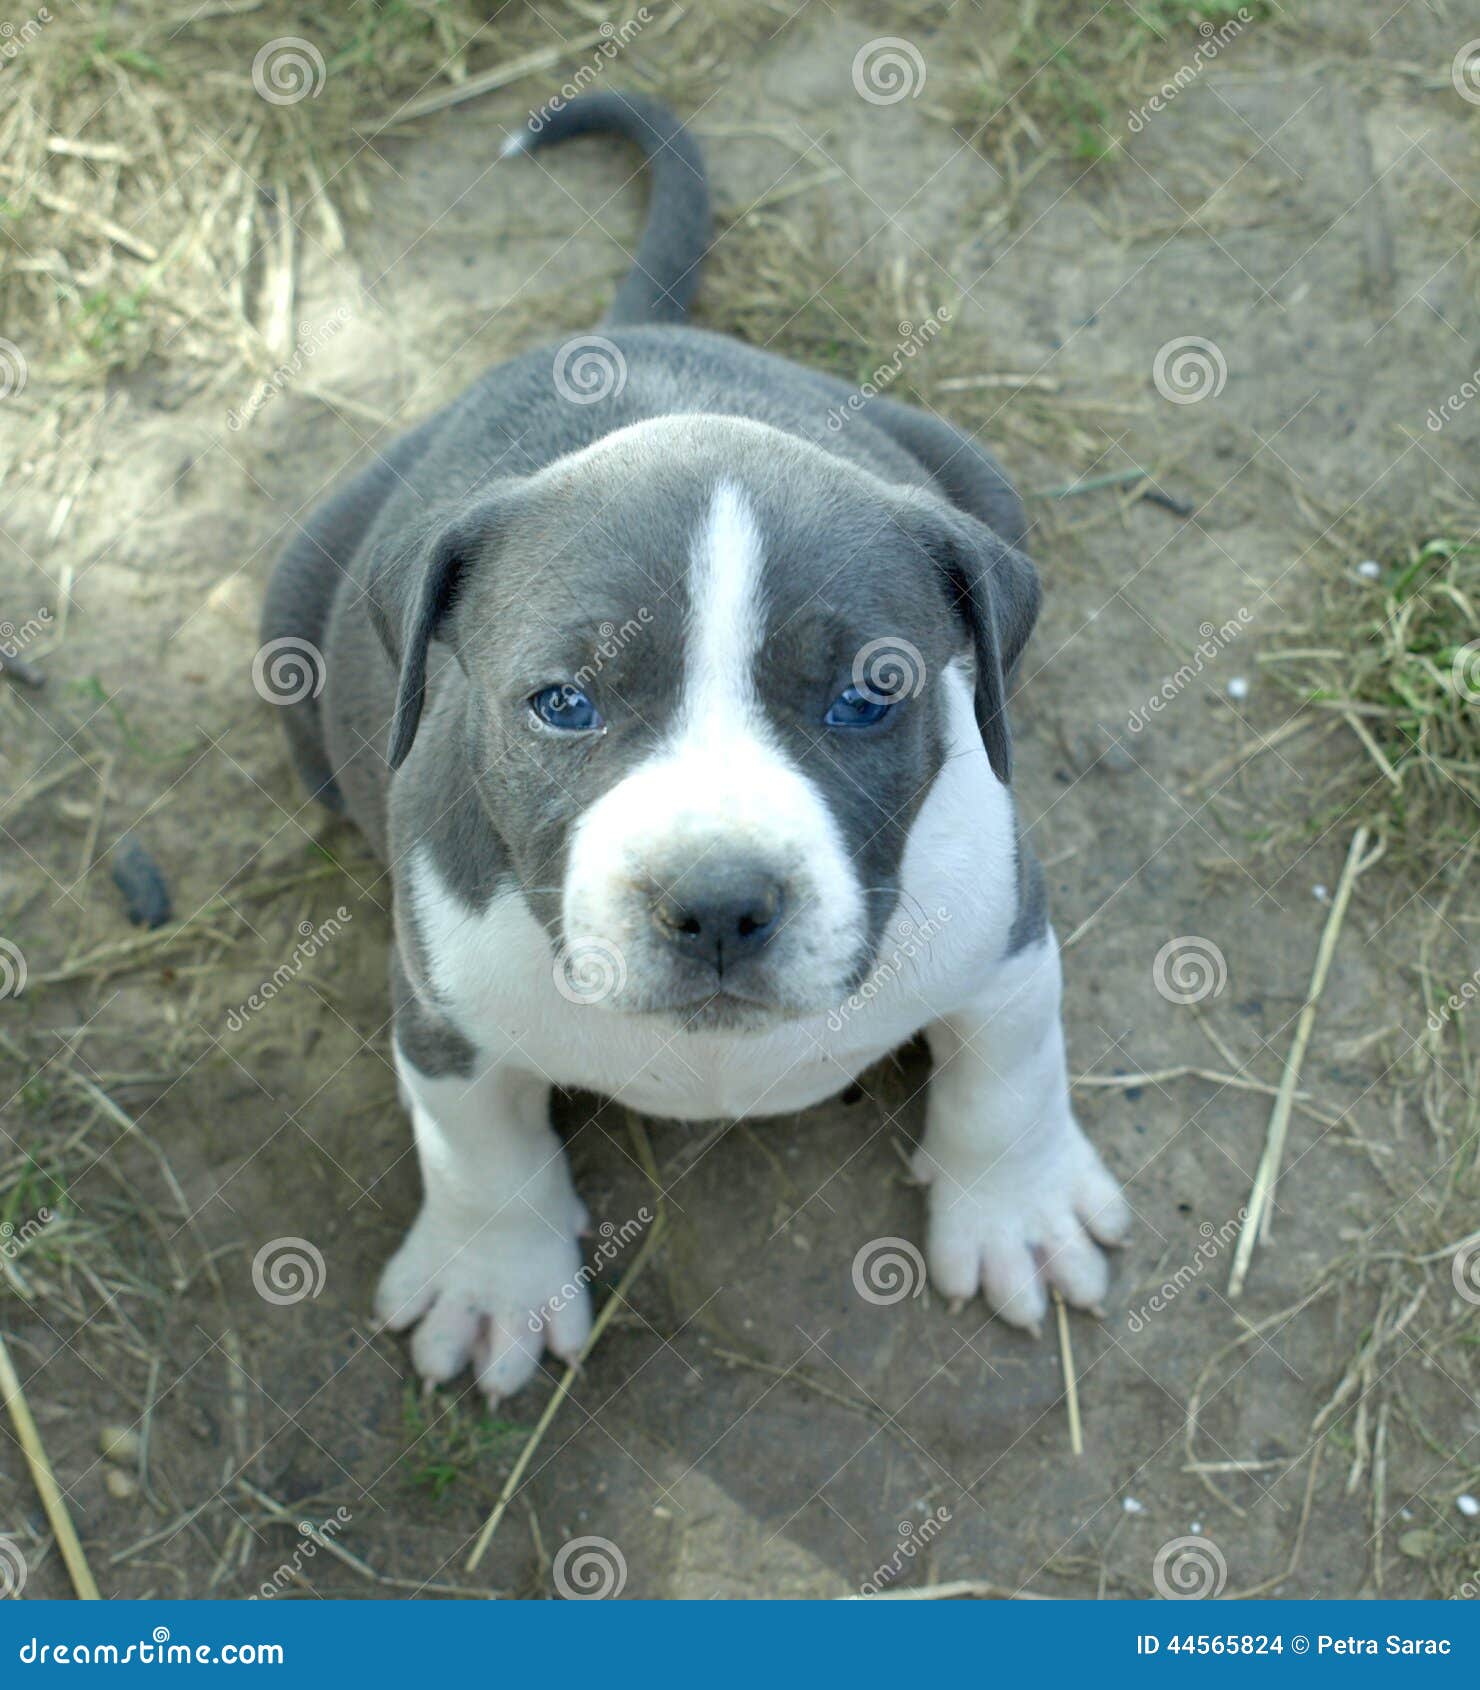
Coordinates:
<point>1012,1178</point>
<point>721,785</point>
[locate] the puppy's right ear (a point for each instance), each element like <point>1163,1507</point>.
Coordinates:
<point>412,590</point>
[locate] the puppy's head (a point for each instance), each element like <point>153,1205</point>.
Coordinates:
<point>705,667</point>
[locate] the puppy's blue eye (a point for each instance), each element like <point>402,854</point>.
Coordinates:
<point>566,707</point>
<point>855,709</point>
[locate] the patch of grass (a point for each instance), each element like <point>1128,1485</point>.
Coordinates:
<point>1399,656</point>
<point>450,1439</point>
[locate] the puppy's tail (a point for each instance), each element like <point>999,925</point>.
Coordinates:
<point>661,282</point>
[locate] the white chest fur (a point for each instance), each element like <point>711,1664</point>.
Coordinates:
<point>495,971</point>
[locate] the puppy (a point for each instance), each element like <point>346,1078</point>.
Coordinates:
<point>678,712</point>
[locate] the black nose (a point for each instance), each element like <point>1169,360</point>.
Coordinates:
<point>720,916</point>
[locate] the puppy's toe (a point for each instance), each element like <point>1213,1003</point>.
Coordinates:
<point>442,1343</point>
<point>507,1359</point>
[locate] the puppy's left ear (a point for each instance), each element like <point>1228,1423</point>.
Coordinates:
<point>412,591</point>
<point>994,589</point>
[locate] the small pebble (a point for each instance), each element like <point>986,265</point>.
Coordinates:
<point>1468,1506</point>
<point>1132,1506</point>
<point>136,874</point>
<point>1370,567</point>
<point>120,1484</point>
<point>1321,892</point>
<point>1238,687</point>
<point>1196,1528</point>
<point>120,1443</point>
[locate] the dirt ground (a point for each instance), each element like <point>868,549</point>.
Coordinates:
<point>750,1424</point>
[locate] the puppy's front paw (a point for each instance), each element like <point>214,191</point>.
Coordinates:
<point>1023,1223</point>
<point>495,1293</point>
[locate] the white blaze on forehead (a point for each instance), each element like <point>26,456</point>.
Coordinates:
<point>720,785</point>
<point>727,618</point>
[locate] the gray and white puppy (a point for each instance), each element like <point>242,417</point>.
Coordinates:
<point>678,715</point>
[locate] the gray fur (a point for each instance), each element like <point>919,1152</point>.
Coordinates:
<point>469,562</point>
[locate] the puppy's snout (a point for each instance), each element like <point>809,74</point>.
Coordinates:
<point>720,916</point>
